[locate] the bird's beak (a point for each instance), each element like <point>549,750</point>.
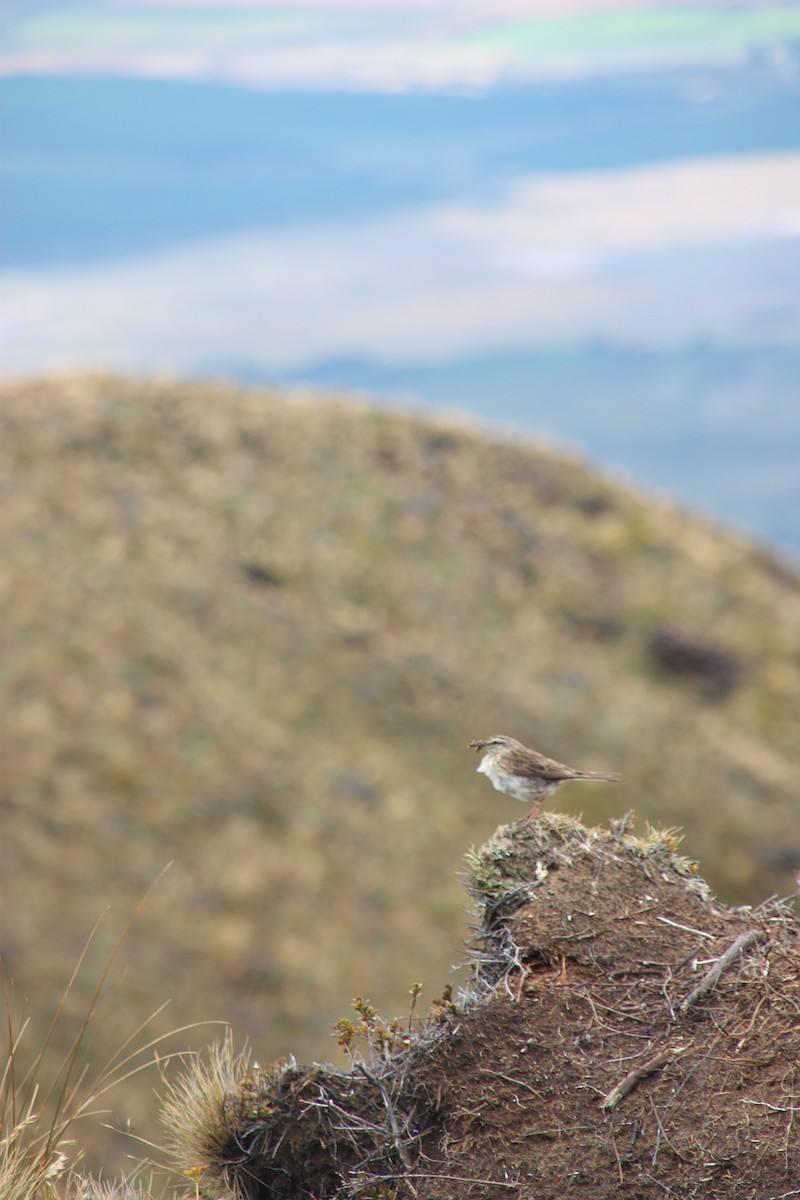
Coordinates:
<point>477,745</point>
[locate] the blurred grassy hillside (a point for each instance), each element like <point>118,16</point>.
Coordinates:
<point>253,634</point>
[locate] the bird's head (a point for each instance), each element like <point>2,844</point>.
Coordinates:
<point>499,742</point>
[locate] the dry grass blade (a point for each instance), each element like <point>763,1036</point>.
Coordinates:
<point>24,1176</point>
<point>81,1188</point>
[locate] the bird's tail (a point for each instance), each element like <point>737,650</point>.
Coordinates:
<point>598,775</point>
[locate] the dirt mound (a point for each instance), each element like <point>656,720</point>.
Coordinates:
<point>625,1035</point>
<point>639,1038</point>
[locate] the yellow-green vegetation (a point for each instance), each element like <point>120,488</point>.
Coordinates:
<point>252,633</point>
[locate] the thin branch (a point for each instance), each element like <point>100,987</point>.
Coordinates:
<point>686,928</point>
<point>620,827</point>
<point>636,1076</point>
<point>387,1103</point>
<point>519,1083</point>
<point>743,942</point>
<point>454,1178</point>
<point>780,1108</point>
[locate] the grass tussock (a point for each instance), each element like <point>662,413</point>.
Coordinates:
<point>195,1111</point>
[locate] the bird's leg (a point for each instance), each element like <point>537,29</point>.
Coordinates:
<point>531,816</point>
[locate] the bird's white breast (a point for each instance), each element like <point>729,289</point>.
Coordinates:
<point>500,779</point>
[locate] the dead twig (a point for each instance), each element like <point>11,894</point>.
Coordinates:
<point>686,928</point>
<point>616,1156</point>
<point>748,1031</point>
<point>710,980</point>
<point>500,1183</point>
<point>781,1108</point>
<point>636,1076</point>
<point>523,975</point>
<point>621,825</point>
<point>390,1114</point>
<point>665,993</point>
<point>519,1083</point>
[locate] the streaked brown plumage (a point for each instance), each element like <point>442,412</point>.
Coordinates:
<point>526,774</point>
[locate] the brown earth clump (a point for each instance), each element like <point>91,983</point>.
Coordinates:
<point>624,1035</point>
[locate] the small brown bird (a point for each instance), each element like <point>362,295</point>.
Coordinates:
<point>526,774</point>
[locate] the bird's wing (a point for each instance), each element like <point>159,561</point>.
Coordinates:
<point>529,764</point>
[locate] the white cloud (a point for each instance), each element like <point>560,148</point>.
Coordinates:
<point>650,256</point>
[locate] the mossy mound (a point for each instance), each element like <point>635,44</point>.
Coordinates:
<point>523,854</point>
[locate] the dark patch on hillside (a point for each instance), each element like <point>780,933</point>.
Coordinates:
<point>713,668</point>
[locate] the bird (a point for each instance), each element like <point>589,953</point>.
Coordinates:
<point>526,774</point>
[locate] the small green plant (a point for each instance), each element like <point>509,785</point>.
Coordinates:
<point>414,992</point>
<point>373,1032</point>
<point>377,1037</point>
<point>443,1006</point>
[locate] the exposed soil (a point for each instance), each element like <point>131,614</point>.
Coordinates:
<point>626,1036</point>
